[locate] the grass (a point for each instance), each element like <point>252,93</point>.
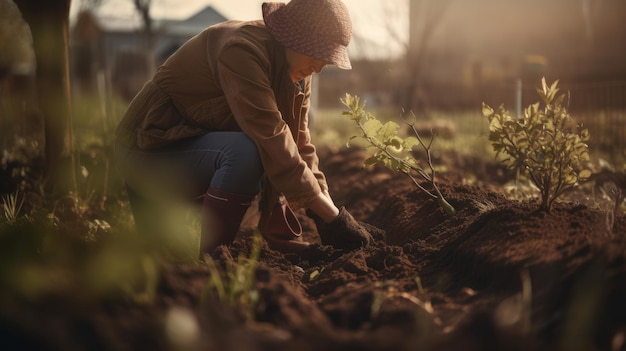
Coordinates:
<point>12,205</point>
<point>235,284</point>
<point>95,121</point>
<point>465,133</point>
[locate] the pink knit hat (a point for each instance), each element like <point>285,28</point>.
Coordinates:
<point>318,28</point>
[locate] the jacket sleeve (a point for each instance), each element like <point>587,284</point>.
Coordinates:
<point>244,78</point>
<point>305,146</point>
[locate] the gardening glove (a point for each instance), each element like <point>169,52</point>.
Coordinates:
<point>343,232</point>
<point>376,233</point>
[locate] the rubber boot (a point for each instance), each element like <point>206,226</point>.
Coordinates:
<point>283,231</point>
<point>222,213</point>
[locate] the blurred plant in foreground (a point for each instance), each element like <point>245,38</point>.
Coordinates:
<point>235,284</point>
<point>393,151</point>
<point>12,208</point>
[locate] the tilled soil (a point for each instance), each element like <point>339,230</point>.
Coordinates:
<point>499,275</point>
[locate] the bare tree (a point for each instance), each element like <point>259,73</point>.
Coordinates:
<point>149,37</point>
<point>90,4</point>
<point>424,17</point>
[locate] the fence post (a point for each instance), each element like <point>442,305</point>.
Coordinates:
<point>518,97</point>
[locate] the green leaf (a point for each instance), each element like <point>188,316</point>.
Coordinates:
<point>487,110</point>
<point>410,142</point>
<point>314,274</point>
<point>372,127</point>
<point>584,174</point>
<point>544,86</point>
<point>396,142</point>
<point>389,130</point>
<point>495,125</point>
<point>372,160</point>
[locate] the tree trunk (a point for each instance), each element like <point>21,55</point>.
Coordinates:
<point>424,17</point>
<point>49,25</point>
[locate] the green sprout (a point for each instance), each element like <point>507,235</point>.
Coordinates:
<point>235,284</point>
<point>392,150</point>
<point>544,144</point>
<point>12,205</point>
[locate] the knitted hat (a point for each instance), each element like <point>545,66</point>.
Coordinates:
<point>318,28</point>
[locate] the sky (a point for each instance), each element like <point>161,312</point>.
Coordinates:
<point>242,9</point>
<point>235,9</point>
<point>366,14</point>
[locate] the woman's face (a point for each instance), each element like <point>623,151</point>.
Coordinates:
<point>302,66</point>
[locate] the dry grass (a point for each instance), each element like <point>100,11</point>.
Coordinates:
<point>465,133</point>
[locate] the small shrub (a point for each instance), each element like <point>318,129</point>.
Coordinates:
<point>543,144</point>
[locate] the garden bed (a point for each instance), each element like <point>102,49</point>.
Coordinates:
<point>499,275</point>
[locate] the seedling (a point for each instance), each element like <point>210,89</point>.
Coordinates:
<point>388,290</point>
<point>393,151</point>
<point>12,207</point>
<point>543,144</point>
<point>234,285</point>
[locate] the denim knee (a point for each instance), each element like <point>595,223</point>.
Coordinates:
<point>239,168</point>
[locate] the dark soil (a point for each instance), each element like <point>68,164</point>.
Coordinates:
<point>499,275</point>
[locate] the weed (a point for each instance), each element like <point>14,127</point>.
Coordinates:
<point>388,290</point>
<point>420,287</point>
<point>485,206</point>
<point>234,285</point>
<point>315,274</point>
<point>12,205</point>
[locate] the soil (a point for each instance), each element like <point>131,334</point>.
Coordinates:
<point>499,275</point>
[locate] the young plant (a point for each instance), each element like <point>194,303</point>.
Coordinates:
<point>393,151</point>
<point>234,285</point>
<point>12,208</point>
<point>543,144</point>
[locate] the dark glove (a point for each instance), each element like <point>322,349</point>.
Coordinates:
<point>376,233</point>
<point>344,232</point>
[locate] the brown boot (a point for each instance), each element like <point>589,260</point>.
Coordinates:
<point>283,231</point>
<point>222,213</point>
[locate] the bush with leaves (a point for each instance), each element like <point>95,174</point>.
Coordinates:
<point>392,150</point>
<point>544,144</point>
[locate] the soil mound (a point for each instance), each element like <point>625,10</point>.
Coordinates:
<point>499,275</point>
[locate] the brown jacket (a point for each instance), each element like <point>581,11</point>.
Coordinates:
<point>232,76</point>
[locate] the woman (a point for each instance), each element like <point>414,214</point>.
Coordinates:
<point>225,117</point>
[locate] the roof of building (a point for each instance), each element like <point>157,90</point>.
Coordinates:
<point>193,24</point>
<point>189,26</point>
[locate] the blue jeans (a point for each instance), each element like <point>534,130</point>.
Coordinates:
<point>184,170</point>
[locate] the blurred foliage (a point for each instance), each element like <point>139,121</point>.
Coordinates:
<point>95,119</point>
<point>83,243</point>
<point>233,282</point>
<point>16,43</point>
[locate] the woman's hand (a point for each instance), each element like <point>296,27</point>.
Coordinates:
<point>336,227</point>
<point>343,232</point>
<point>324,207</point>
